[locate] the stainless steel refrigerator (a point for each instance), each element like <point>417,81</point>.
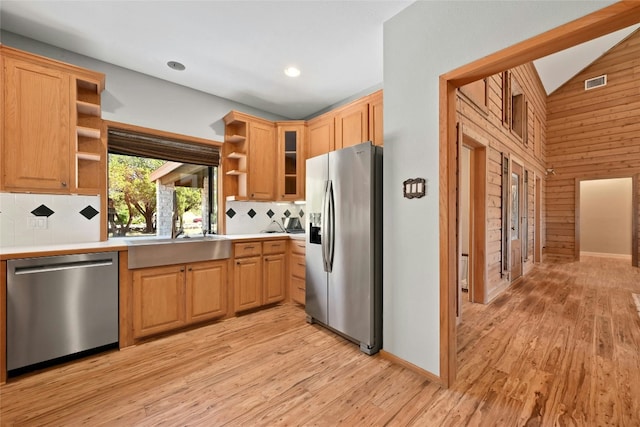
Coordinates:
<point>344,243</point>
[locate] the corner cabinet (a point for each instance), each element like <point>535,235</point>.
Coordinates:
<point>291,161</point>
<point>52,139</point>
<point>248,158</point>
<point>167,298</point>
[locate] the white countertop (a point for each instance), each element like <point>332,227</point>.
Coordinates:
<point>114,244</point>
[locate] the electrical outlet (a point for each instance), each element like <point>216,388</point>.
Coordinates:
<point>38,223</point>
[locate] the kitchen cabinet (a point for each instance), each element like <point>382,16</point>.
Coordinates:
<point>166,298</point>
<point>249,158</point>
<point>291,160</point>
<point>52,139</point>
<point>321,135</point>
<point>297,267</point>
<point>259,273</point>
<point>352,124</point>
<point>376,131</point>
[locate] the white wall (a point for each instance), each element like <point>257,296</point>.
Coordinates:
<point>606,216</point>
<point>422,42</point>
<point>142,100</point>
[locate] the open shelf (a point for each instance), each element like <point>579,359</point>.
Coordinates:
<point>88,132</point>
<point>236,172</point>
<point>88,108</point>
<point>88,156</point>
<point>236,155</point>
<point>235,138</point>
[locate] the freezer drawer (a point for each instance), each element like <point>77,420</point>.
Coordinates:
<point>61,305</point>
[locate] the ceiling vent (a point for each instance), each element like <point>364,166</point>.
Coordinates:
<point>595,82</point>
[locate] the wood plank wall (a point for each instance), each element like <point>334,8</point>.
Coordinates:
<point>483,124</point>
<point>591,134</point>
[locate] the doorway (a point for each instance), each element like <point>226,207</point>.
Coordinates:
<point>472,266</point>
<point>516,215</point>
<point>605,224</point>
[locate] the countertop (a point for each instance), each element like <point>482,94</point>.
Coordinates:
<point>115,244</point>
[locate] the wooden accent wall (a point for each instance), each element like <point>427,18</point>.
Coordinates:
<point>484,124</point>
<point>591,134</point>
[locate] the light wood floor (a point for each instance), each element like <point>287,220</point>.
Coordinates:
<point>560,348</point>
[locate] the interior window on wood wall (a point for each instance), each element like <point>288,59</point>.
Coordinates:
<point>476,92</point>
<point>518,110</point>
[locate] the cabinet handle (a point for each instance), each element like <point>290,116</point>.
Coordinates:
<point>64,183</point>
<point>190,269</point>
<point>182,270</point>
<point>301,264</point>
<point>246,248</point>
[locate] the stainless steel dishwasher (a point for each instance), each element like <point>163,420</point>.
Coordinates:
<point>60,305</point>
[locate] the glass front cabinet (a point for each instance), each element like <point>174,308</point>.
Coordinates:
<point>290,176</point>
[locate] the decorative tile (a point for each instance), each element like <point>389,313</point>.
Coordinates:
<point>287,213</point>
<point>42,210</point>
<point>270,213</point>
<point>251,213</point>
<point>231,213</point>
<point>301,213</point>
<point>89,212</point>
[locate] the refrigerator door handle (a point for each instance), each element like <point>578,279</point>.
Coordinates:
<point>332,223</point>
<point>324,224</point>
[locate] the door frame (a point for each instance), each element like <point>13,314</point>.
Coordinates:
<point>477,262</point>
<point>604,21</point>
<point>521,184</point>
<point>537,234</point>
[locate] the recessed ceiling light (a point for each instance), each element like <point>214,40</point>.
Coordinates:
<point>292,71</point>
<point>175,65</point>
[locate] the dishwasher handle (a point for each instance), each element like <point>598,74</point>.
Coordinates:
<point>45,268</point>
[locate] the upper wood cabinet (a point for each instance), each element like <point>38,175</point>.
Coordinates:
<point>291,161</point>
<point>51,126</point>
<point>352,125</point>
<point>321,135</point>
<point>249,158</point>
<point>376,130</point>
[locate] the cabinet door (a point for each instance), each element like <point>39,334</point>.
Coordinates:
<point>262,162</point>
<point>375,119</point>
<point>290,176</point>
<point>158,300</point>
<point>274,278</point>
<point>247,274</point>
<point>352,125</point>
<point>320,133</point>
<point>36,150</point>
<point>206,291</point>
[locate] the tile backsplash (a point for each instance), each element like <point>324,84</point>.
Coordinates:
<point>47,219</point>
<point>256,217</point>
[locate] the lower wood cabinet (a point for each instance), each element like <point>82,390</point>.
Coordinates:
<point>166,298</point>
<point>259,273</point>
<point>297,271</point>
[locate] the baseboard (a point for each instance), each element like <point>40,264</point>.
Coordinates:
<point>606,255</point>
<point>410,366</point>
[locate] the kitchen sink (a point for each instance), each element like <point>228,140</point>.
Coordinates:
<point>158,251</point>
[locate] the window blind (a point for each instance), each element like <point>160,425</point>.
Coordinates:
<point>123,141</point>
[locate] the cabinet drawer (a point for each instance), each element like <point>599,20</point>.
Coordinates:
<point>298,246</point>
<point>274,247</point>
<point>247,249</point>
<point>298,290</point>
<point>297,265</point>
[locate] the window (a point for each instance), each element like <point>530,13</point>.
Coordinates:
<point>155,185</point>
<point>514,106</point>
